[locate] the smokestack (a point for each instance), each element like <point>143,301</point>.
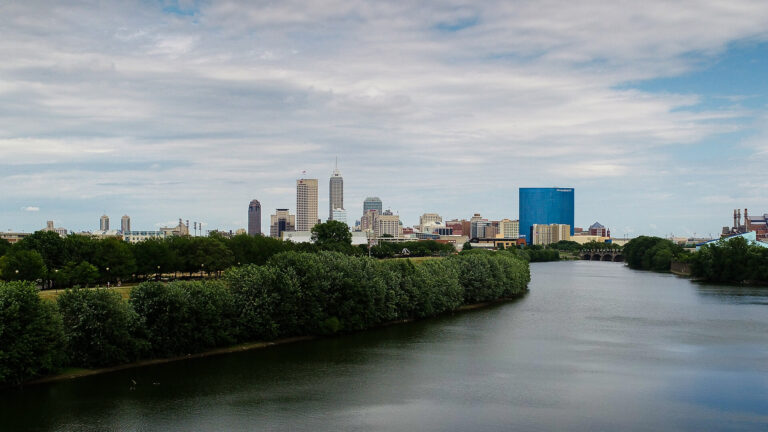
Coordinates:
<point>735,221</point>
<point>739,219</point>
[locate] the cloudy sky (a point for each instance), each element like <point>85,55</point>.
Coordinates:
<point>656,112</point>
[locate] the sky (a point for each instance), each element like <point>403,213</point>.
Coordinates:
<point>656,112</point>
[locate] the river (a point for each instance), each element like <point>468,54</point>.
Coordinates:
<point>593,346</point>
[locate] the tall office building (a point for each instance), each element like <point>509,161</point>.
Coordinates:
<point>477,226</point>
<point>368,221</point>
<point>548,234</point>
<point>373,203</point>
<point>545,206</point>
<point>104,223</point>
<point>125,224</point>
<point>306,204</point>
<point>509,228</point>
<point>339,215</point>
<point>335,192</point>
<point>387,224</point>
<point>281,222</point>
<point>254,218</point>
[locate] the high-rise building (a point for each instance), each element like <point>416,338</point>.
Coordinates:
<point>104,223</point>
<point>335,192</point>
<point>552,233</point>
<point>477,226</point>
<point>545,206</point>
<point>281,222</point>
<point>373,203</point>
<point>387,224</point>
<point>509,228</point>
<point>254,218</point>
<point>306,204</point>
<point>427,218</point>
<point>368,221</point>
<point>125,224</point>
<point>339,215</point>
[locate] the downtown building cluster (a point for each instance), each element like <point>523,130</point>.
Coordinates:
<point>546,216</point>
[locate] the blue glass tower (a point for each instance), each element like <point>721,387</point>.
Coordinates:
<point>545,206</point>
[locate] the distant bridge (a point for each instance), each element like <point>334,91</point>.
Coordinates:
<point>602,255</point>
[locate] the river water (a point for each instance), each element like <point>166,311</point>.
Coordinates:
<point>593,346</point>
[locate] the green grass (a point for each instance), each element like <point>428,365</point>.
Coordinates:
<point>124,291</point>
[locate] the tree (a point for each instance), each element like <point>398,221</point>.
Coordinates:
<point>116,255</point>
<point>467,246</point>
<point>25,265</point>
<point>153,253</point>
<point>5,246</point>
<point>51,248</point>
<point>332,235</point>
<point>100,327</point>
<point>82,274</point>
<point>31,336</point>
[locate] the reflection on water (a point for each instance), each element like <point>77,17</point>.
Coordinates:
<point>735,293</point>
<point>593,346</point>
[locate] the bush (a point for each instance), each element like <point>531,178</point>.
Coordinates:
<point>31,336</point>
<point>100,328</point>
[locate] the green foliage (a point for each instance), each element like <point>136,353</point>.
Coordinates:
<point>467,246</point>
<point>255,249</point>
<point>566,246</point>
<point>651,253</point>
<point>101,328</point>
<point>48,244</point>
<point>332,235</point>
<point>733,261</point>
<point>5,246</point>
<point>115,254</point>
<point>81,274</point>
<point>22,264</point>
<point>294,293</point>
<point>185,317</point>
<point>31,336</point>
<point>542,255</point>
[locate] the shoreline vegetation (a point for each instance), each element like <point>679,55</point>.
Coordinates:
<point>294,296</point>
<point>74,373</point>
<point>729,261</point>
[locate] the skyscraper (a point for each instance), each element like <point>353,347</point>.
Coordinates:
<point>335,192</point>
<point>306,204</point>
<point>125,224</point>
<point>545,206</point>
<point>373,203</point>
<point>254,218</point>
<point>104,223</point>
<point>280,222</point>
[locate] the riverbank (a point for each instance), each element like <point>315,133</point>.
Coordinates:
<point>74,373</point>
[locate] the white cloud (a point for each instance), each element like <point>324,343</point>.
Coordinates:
<point>198,115</point>
<point>30,209</point>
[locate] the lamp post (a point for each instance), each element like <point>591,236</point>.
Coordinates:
<point>158,272</point>
<point>202,270</point>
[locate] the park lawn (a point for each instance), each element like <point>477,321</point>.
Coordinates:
<point>125,292</point>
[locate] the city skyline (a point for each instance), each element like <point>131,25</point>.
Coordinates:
<point>192,109</point>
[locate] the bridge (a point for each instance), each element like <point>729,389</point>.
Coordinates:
<point>602,255</point>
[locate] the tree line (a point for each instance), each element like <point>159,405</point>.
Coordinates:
<point>82,260</point>
<point>292,294</point>
<point>732,260</point>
